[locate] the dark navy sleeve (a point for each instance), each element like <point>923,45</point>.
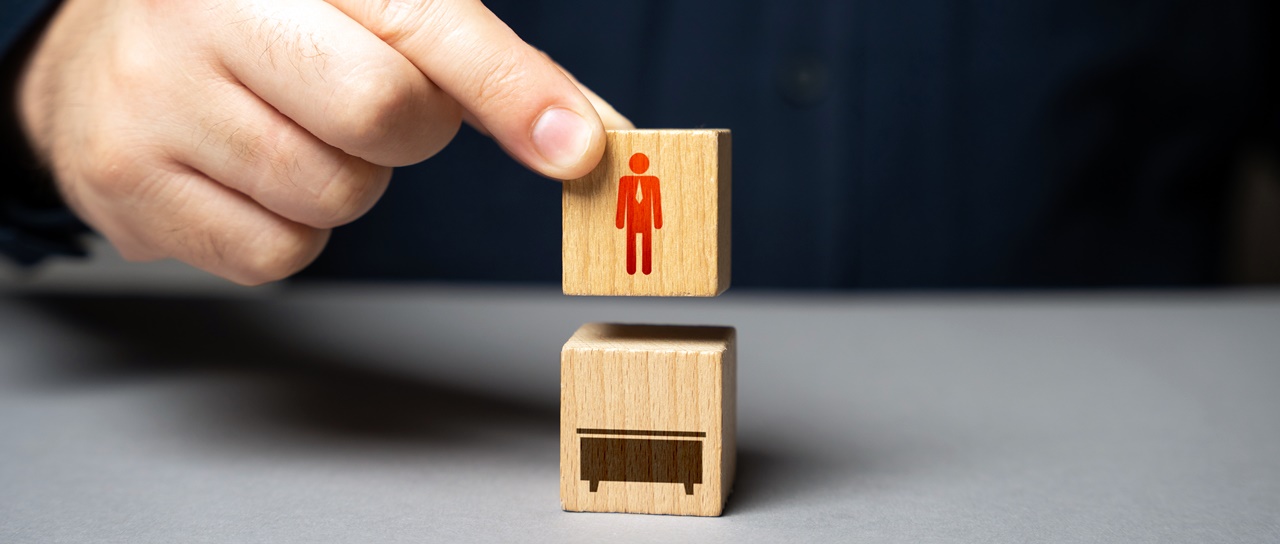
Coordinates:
<point>17,16</point>
<point>34,223</point>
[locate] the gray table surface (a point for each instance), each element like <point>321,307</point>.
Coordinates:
<point>429,414</point>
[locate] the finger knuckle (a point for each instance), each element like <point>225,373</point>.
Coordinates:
<point>443,129</point>
<point>117,171</point>
<point>275,254</point>
<point>349,193</point>
<point>497,80</point>
<point>369,112</point>
<point>132,66</point>
<point>396,20</point>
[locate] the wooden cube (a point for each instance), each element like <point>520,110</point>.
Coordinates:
<point>653,218</point>
<point>647,419</point>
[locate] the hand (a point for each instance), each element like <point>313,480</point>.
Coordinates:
<point>234,134</point>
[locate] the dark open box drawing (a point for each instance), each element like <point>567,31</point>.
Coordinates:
<point>657,457</point>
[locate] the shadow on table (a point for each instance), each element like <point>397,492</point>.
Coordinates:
<point>292,388</point>
<point>775,474</point>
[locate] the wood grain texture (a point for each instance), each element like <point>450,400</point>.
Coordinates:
<point>653,409</point>
<point>691,247</point>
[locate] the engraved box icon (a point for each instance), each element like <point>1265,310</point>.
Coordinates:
<point>647,419</point>
<point>623,455</point>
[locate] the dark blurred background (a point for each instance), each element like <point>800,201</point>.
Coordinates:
<point>936,143</point>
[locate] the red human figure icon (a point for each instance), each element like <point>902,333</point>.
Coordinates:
<point>639,211</point>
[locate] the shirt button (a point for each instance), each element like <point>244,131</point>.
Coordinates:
<point>803,81</point>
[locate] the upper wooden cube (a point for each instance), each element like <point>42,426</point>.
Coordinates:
<point>653,218</point>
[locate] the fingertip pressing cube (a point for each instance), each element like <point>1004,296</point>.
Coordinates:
<point>647,419</point>
<point>653,218</point>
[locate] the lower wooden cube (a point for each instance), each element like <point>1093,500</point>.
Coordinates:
<point>647,419</point>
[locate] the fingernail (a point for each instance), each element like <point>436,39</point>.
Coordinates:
<point>561,137</point>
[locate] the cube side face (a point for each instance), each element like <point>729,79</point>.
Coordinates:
<point>652,218</point>
<point>729,418</point>
<point>644,430</point>
<point>725,210</point>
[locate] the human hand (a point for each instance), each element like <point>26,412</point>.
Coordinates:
<point>233,135</point>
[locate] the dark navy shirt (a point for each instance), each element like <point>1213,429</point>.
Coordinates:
<point>933,143</point>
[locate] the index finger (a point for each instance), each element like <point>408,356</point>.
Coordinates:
<point>519,95</point>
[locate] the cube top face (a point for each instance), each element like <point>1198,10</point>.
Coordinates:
<point>684,338</point>
<point>653,218</point>
<point>647,419</point>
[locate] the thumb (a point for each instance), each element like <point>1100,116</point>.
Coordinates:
<point>532,108</point>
